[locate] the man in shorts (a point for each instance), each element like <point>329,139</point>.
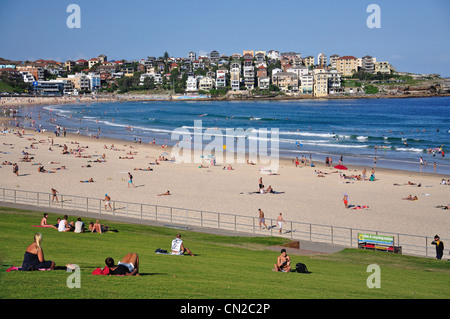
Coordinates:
<point>283,262</point>
<point>107,202</point>
<point>280,222</point>
<point>128,266</point>
<point>178,247</point>
<point>262,220</point>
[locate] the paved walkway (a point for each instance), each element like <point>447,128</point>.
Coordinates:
<point>306,247</point>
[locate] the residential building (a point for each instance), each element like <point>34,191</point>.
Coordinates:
<point>322,60</point>
<point>334,82</point>
<point>306,83</point>
<point>69,65</point>
<point>192,56</point>
<point>80,81</point>
<point>320,84</point>
<point>102,58</point>
<point>37,72</point>
<point>261,71</point>
<point>309,61</point>
<point>106,68</point>
<point>214,56</point>
<point>249,74</point>
<point>235,75</point>
<point>95,81</point>
<point>248,52</point>
<point>191,84</point>
<point>347,65</point>
<point>260,57</point>
<point>286,81</point>
<point>206,83</point>
<point>27,76</point>
<point>221,78</point>
<point>48,87</point>
<point>383,67</point>
<point>273,55</point>
<point>81,62</point>
<point>333,60</point>
<point>299,70</point>
<point>92,62</point>
<point>291,57</point>
<point>367,64</point>
<point>263,82</point>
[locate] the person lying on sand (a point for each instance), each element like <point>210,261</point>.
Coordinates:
<point>91,180</point>
<point>144,169</point>
<point>410,198</point>
<point>164,194</point>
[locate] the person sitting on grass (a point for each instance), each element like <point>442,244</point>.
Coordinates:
<point>34,256</point>
<point>178,247</point>
<point>128,266</point>
<point>283,262</point>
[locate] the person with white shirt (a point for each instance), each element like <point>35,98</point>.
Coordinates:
<point>64,225</point>
<point>178,247</point>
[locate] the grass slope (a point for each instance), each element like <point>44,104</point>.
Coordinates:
<point>223,268</point>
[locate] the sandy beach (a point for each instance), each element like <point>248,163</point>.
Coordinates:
<point>306,196</point>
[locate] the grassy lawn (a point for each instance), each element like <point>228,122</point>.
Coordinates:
<point>223,268</point>
<point>6,87</point>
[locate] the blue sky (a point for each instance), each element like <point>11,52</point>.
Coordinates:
<point>414,35</point>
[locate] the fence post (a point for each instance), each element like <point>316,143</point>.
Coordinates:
<point>141,211</point>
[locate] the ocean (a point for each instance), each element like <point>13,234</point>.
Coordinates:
<point>397,132</point>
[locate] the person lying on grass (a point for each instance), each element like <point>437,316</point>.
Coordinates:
<point>128,266</point>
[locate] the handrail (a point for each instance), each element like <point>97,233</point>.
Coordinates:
<point>328,234</point>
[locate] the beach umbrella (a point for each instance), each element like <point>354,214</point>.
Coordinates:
<point>342,167</point>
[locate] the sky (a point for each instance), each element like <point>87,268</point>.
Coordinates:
<point>413,34</point>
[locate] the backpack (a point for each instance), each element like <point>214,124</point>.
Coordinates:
<point>301,268</point>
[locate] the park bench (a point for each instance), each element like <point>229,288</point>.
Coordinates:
<point>378,242</point>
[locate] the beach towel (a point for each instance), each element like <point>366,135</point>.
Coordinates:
<point>102,272</point>
<point>42,226</point>
<point>13,268</point>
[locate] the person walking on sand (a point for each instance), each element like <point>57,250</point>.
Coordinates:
<point>107,201</point>
<point>345,200</point>
<point>280,222</point>
<point>16,169</point>
<point>262,220</point>
<point>130,180</point>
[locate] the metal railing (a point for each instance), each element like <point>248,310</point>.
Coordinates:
<point>343,236</point>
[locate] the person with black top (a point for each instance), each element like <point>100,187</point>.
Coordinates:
<point>34,256</point>
<point>439,247</point>
<point>128,266</point>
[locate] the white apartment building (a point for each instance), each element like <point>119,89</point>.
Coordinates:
<point>27,76</point>
<point>306,84</point>
<point>273,55</point>
<point>299,70</point>
<point>221,78</point>
<point>191,84</point>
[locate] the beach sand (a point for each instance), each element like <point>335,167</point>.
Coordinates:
<point>307,198</point>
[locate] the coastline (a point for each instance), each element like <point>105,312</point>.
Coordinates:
<point>305,196</point>
<point>11,101</point>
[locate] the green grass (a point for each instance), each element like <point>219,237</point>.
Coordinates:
<point>4,87</point>
<point>223,268</point>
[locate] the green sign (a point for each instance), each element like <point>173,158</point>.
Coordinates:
<point>376,239</point>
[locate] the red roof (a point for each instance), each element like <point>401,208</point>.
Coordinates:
<point>347,57</point>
